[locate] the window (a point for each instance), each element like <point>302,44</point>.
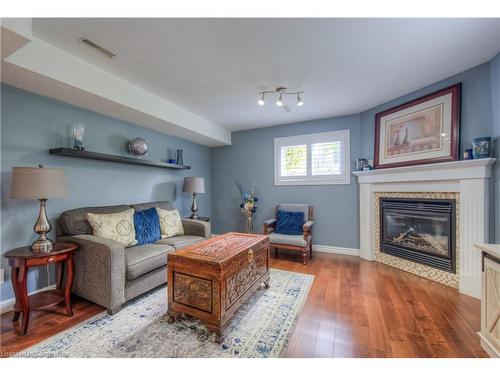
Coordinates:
<point>312,159</point>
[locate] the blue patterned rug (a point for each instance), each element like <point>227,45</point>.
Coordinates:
<point>261,328</point>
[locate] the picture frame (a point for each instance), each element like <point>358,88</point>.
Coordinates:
<point>421,131</point>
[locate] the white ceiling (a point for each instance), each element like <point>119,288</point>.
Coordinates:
<point>215,67</point>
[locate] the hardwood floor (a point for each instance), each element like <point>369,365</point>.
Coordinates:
<point>355,309</point>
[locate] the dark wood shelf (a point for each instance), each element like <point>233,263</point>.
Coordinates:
<point>42,300</point>
<point>63,151</point>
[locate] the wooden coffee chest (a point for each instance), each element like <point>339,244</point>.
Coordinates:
<point>212,279</point>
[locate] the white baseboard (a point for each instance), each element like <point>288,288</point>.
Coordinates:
<point>6,306</point>
<point>336,250</point>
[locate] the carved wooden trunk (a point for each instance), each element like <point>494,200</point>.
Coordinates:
<point>212,279</point>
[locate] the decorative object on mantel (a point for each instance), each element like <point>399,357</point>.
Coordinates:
<point>180,159</point>
<point>248,204</point>
<point>481,147</point>
<point>360,164</point>
<point>490,299</point>
<point>422,131</point>
<point>138,147</point>
<point>468,154</point>
<point>195,185</point>
<point>39,183</point>
<point>77,131</point>
<point>114,158</point>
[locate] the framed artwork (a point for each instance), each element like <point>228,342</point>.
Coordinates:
<point>424,130</point>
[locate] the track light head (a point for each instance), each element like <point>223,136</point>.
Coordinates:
<point>279,102</point>
<point>300,102</point>
<point>261,100</point>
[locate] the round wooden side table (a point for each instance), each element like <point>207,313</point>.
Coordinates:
<point>21,259</point>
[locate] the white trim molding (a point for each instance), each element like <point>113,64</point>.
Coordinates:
<point>336,250</point>
<point>467,177</point>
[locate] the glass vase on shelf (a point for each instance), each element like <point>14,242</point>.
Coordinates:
<point>77,131</point>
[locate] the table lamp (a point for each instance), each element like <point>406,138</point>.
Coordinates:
<point>195,185</point>
<point>39,183</point>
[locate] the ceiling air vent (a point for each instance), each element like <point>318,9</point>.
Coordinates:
<point>97,48</point>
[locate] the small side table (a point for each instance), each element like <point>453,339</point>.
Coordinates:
<point>21,259</point>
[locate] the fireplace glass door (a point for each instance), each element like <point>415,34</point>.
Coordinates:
<point>421,230</point>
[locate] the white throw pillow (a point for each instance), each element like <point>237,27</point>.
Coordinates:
<point>118,227</point>
<point>170,223</point>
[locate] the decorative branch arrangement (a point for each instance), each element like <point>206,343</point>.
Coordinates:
<point>248,204</point>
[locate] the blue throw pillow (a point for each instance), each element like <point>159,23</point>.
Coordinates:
<point>289,222</point>
<point>147,226</point>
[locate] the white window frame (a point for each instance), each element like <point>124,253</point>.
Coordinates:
<point>309,139</point>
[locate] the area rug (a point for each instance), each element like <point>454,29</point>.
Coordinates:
<point>261,328</point>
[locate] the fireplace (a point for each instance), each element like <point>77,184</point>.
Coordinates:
<point>420,230</point>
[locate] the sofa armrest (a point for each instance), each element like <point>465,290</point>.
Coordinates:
<point>269,226</point>
<point>196,227</point>
<point>99,270</point>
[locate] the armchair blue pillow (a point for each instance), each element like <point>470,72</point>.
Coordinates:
<point>147,226</point>
<point>289,222</point>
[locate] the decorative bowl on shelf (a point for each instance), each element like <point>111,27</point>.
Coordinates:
<point>138,147</point>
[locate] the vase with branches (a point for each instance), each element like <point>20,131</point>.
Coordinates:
<point>248,204</point>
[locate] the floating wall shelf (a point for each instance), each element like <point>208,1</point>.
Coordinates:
<point>114,158</point>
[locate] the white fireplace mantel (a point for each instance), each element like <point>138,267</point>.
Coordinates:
<point>467,177</point>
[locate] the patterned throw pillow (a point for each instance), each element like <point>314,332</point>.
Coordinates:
<point>118,227</point>
<point>170,223</point>
<point>289,222</point>
<point>147,226</point>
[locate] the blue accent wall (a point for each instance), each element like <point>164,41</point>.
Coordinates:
<point>32,124</point>
<point>251,159</point>
<point>495,106</point>
<point>475,108</point>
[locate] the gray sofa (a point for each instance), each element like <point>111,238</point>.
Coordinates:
<point>109,274</point>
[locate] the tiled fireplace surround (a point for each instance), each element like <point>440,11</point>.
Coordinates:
<point>468,182</point>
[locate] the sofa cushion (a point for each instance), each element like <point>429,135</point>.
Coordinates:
<point>165,205</point>
<point>144,258</point>
<point>170,223</point>
<point>147,226</point>
<point>118,227</point>
<point>74,222</point>
<point>181,241</point>
<point>287,239</point>
<point>289,222</point>
<point>296,207</point>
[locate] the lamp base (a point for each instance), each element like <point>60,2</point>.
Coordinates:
<point>194,208</point>
<point>42,245</point>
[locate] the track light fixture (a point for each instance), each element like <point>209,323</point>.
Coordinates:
<point>281,91</point>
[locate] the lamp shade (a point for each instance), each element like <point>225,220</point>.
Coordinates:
<point>37,183</point>
<point>193,185</point>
